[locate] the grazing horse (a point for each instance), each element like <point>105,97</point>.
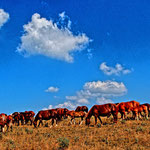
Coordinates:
<point>27,116</point>
<point>46,115</point>
<point>5,120</point>
<point>148,107</point>
<point>126,106</point>
<point>137,112</point>
<point>73,114</point>
<point>62,113</point>
<point>102,110</point>
<point>16,118</point>
<point>82,108</point>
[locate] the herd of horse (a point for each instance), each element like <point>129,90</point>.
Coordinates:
<point>82,112</point>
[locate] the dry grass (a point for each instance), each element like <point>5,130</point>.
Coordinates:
<point>128,135</point>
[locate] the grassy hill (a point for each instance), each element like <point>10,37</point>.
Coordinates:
<point>128,135</point>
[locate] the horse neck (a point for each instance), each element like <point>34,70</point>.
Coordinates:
<point>90,113</point>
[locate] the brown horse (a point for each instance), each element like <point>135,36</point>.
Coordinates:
<point>17,117</point>
<point>62,113</point>
<point>5,120</point>
<point>27,116</point>
<point>46,115</point>
<point>126,106</point>
<point>137,112</point>
<point>82,108</point>
<point>148,107</point>
<point>73,114</point>
<point>102,110</point>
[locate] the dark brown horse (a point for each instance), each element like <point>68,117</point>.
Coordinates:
<point>17,117</point>
<point>62,113</point>
<point>126,107</point>
<point>82,108</point>
<point>5,120</point>
<point>46,115</point>
<point>27,116</point>
<point>73,114</point>
<point>102,110</point>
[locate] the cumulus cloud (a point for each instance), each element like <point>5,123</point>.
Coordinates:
<point>117,70</point>
<point>51,39</point>
<point>52,89</point>
<point>103,100</point>
<point>4,16</point>
<point>66,104</point>
<point>100,91</point>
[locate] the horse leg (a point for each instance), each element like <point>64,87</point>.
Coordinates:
<point>52,123</point>
<point>74,121</point>
<point>100,119</point>
<point>40,123</point>
<point>81,120</point>
<point>121,115</point>
<point>56,122</point>
<point>95,120</point>
<point>124,114</point>
<point>18,122</point>
<point>71,120</point>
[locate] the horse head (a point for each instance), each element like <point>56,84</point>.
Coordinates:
<point>114,111</point>
<point>87,121</point>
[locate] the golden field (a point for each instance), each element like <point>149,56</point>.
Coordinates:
<point>128,135</point>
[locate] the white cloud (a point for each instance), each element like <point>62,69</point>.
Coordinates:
<point>52,89</point>
<point>99,90</point>
<point>117,70</point>
<point>103,100</point>
<point>66,104</point>
<point>83,101</point>
<point>51,39</point>
<point>49,107</point>
<point>4,16</point>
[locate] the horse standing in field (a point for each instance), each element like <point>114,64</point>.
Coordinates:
<point>28,116</point>
<point>5,120</point>
<point>137,112</point>
<point>62,113</point>
<point>46,115</point>
<point>126,106</point>
<point>148,107</point>
<point>102,110</point>
<point>82,108</point>
<point>17,117</point>
<point>73,114</point>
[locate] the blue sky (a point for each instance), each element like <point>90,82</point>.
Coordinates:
<point>69,53</point>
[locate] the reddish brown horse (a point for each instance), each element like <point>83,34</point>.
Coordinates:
<point>148,107</point>
<point>62,113</point>
<point>24,117</point>
<point>5,120</point>
<point>82,108</point>
<point>73,114</point>
<point>102,110</point>
<point>17,117</point>
<point>27,116</point>
<point>126,106</point>
<point>137,112</point>
<point>46,115</point>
